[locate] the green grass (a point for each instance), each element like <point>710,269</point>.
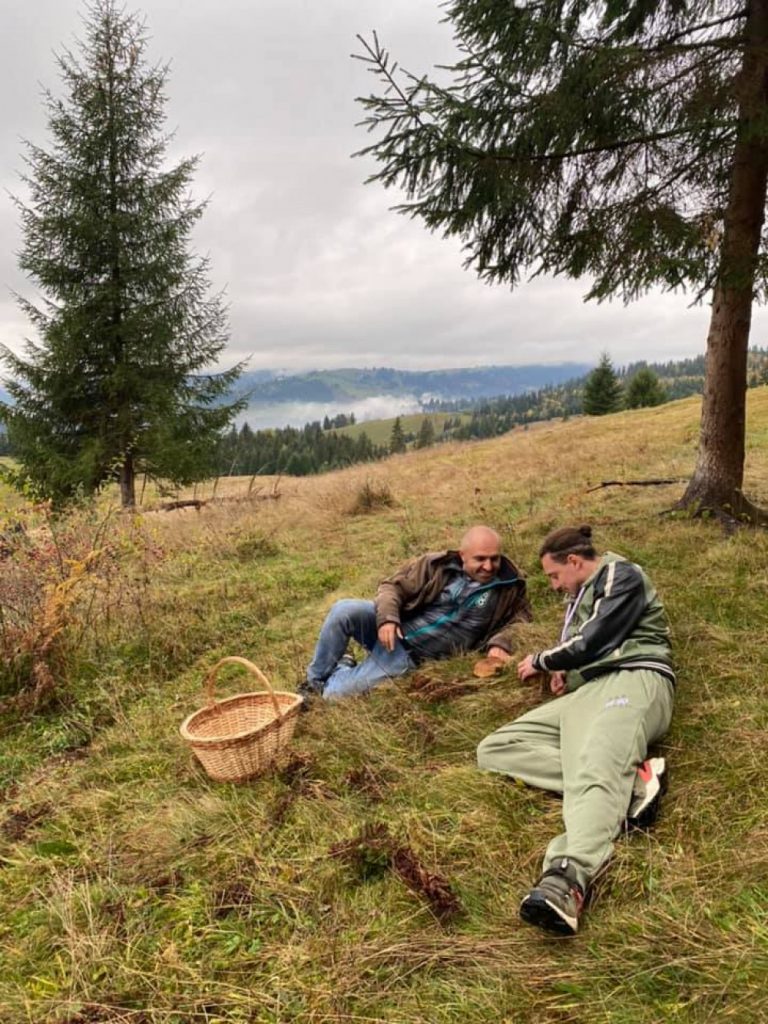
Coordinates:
<point>138,891</point>
<point>380,431</point>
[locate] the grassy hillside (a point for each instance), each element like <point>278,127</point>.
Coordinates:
<point>137,891</point>
<point>380,431</point>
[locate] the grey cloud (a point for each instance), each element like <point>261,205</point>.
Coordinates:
<point>317,270</point>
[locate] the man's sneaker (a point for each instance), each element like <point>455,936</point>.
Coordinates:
<point>650,785</point>
<point>309,691</point>
<point>556,901</point>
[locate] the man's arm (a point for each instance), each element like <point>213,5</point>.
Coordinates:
<point>619,603</point>
<point>403,586</point>
<point>389,599</point>
<point>499,652</point>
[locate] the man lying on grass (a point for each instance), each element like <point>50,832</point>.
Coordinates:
<point>612,677</point>
<point>435,606</point>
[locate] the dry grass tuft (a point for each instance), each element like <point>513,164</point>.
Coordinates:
<point>370,497</point>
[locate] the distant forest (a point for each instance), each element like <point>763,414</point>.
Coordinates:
<point>294,451</point>
<point>322,446</point>
<point>494,416</point>
<point>319,447</point>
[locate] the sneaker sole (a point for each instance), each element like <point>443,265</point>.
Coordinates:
<point>538,911</point>
<point>648,812</point>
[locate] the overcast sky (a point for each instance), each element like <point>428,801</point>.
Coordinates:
<point>318,271</point>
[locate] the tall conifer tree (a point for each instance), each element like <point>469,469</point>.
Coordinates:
<point>397,442</point>
<point>643,389</point>
<point>115,386</point>
<point>602,391</point>
<point>426,435</point>
<point>626,140</point>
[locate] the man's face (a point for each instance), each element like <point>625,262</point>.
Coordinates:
<point>568,575</point>
<point>481,560</point>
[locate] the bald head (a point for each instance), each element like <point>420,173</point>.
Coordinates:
<point>480,553</point>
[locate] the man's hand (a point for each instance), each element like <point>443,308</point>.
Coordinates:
<point>388,634</point>
<point>526,669</point>
<point>500,653</point>
<point>557,683</point>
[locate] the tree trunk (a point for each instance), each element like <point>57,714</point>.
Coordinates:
<point>127,482</point>
<point>718,477</point>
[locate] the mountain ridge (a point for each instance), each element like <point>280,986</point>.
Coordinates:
<point>354,383</point>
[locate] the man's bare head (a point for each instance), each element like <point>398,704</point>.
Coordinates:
<point>568,558</point>
<point>480,553</point>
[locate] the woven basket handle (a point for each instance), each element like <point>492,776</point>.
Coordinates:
<point>210,680</point>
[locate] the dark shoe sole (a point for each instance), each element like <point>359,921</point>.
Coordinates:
<point>647,817</point>
<point>537,911</point>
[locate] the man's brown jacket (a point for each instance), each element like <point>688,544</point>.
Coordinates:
<point>419,582</point>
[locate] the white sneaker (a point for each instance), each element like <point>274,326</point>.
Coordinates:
<point>650,784</point>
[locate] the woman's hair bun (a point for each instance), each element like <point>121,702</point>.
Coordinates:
<point>586,531</point>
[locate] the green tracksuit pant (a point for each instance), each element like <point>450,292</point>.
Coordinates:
<point>586,745</point>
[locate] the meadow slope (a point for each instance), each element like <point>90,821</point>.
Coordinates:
<point>136,891</point>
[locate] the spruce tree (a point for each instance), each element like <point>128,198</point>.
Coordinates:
<point>602,391</point>
<point>115,386</point>
<point>426,435</point>
<point>644,389</point>
<point>626,141</point>
<point>397,438</point>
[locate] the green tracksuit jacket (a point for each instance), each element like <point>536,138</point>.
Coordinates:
<point>615,622</point>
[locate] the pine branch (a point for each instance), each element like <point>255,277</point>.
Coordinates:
<point>409,111</point>
<point>700,27</point>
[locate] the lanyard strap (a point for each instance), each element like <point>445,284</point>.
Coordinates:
<point>571,611</point>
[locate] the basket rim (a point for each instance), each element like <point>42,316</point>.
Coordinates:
<point>296,700</point>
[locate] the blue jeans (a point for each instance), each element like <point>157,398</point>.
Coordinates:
<point>353,620</point>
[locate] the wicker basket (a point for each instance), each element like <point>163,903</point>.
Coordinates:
<point>239,737</point>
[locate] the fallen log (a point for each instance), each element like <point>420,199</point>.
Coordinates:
<point>169,506</point>
<point>638,483</point>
